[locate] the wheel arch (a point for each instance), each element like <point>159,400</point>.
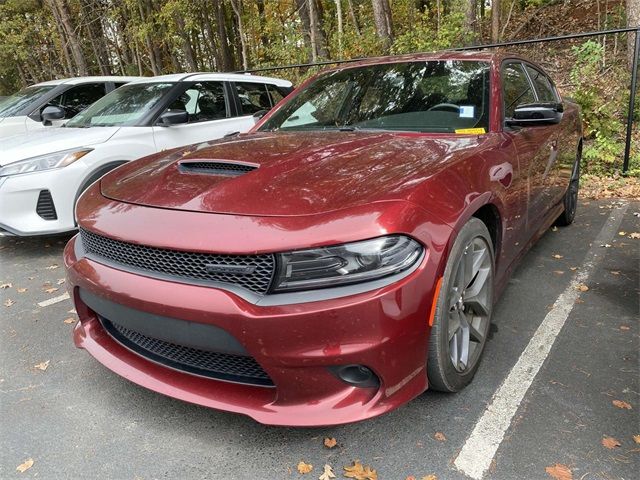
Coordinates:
<point>94,176</point>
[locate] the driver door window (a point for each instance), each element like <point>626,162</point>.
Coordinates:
<point>77,98</point>
<point>516,88</point>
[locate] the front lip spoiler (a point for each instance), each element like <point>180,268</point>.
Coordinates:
<point>6,231</point>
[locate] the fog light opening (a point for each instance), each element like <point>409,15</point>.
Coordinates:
<point>356,375</point>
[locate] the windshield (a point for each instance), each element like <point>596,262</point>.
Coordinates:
<point>427,96</point>
<point>13,105</point>
<point>126,105</point>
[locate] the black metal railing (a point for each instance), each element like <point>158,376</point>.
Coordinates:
<point>573,36</point>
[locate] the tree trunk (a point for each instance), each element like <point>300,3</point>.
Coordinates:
<point>470,19</point>
<point>187,48</point>
<point>221,24</point>
<point>264,39</point>
<point>340,27</point>
<point>495,21</point>
<point>151,48</point>
<point>60,9</point>
<point>354,19</point>
<point>303,13</point>
<point>237,9</point>
<point>383,21</point>
<point>633,20</point>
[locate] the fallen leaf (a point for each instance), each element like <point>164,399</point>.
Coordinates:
<point>73,310</point>
<point>8,302</point>
<point>26,465</point>
<point>554,229</point>
<point>610,442</point>
<point>573,269</point>
<point>624,327</point>
<point>42,366</point>
<point>429,477</point>
<point>327,474</point>
<point>615,272</point>
<point>5,286</point>
<point>559,272</point>
<point>21,290</point>
<point>635,235</point>
<point>60,281</point>
<point>304,468</point>
<point>560,472</point>
<point>606,245</point>
<point>69,320</point>
<point>557,256</point>
<point>360,472</point>
<point>622,234</point>
<point>636,438</point>
<point>51,289</point>
<point>440,437</point>
<point>51,267</point>
<point>410,477</point>
<point>582,287</point>
<point>622,404</point>
<point>330,442</point>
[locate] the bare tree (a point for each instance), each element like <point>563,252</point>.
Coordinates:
<point>61,12</point>
<point>237,9</point>
<point>309,12</point>
<point>470,19</point>
<point>383,21</point>
<point>495,20</point>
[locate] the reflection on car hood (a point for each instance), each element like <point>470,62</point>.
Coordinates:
<point>297,173</point>
<point>50,140</point>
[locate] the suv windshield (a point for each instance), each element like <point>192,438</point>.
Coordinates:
<point>126,105</point>
<point>427,96</point>
<point>11,106</point>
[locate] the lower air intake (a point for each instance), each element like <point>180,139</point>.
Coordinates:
<point>45,207</point>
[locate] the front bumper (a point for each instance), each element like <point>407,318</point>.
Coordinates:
<point>19,199</point>
<point>384,329</point>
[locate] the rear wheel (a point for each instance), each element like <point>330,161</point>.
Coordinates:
<point>570,199</point>
<point>463,310</point>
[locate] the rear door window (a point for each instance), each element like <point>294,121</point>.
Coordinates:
<point>253,97</point>
<point>203,101</point>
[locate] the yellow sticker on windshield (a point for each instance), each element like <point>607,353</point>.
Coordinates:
<point>471,131</point>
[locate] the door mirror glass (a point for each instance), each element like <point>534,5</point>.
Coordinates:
<point>173,117</point>
<point>52,112</point>
<point>531,114</point>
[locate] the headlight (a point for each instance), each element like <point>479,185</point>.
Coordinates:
<point>44,162</point>
<point>343,264</point>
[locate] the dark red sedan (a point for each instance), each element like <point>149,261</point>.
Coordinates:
<point>330,265</point>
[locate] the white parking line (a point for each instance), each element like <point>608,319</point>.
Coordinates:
<point>51,301</point>
<point>478,451</point>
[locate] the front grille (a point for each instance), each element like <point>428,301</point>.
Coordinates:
<point>252,272</point>
<point>217,168</point>
<point>221,366</point>
<point>45,207</point>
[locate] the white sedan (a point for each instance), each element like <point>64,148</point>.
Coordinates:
<point>23,111</point>
<point>43,174</point>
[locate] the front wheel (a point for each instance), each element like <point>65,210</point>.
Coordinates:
<point>463,310</point>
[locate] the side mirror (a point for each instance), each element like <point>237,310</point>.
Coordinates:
<point>532,114</point>
<point>173,117</point>
<point>52,112</point>
<point>260,113</point>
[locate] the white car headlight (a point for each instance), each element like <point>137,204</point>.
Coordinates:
<point>44,162</point>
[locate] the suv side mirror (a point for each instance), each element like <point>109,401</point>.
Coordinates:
<point>52,112</point>
<point>173,117</point>
<point>260,113</point>
<point>532,114</point>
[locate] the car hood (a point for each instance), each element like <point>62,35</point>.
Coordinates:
<point>51,140</point>
<point>296,173</point>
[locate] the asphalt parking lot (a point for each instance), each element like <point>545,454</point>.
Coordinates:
<point>570,403</point>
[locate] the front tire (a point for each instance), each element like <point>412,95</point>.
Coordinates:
<point>570,199</point>
<point>463,310</point>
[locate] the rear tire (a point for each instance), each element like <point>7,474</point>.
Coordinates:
<point>570,199</point>
<point>463,310</point>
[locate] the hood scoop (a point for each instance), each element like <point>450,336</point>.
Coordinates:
<point>216,167</point>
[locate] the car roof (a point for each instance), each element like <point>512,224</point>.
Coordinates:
<point>204,76</point>
<point>80,80</point>
<point>474,55</point>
